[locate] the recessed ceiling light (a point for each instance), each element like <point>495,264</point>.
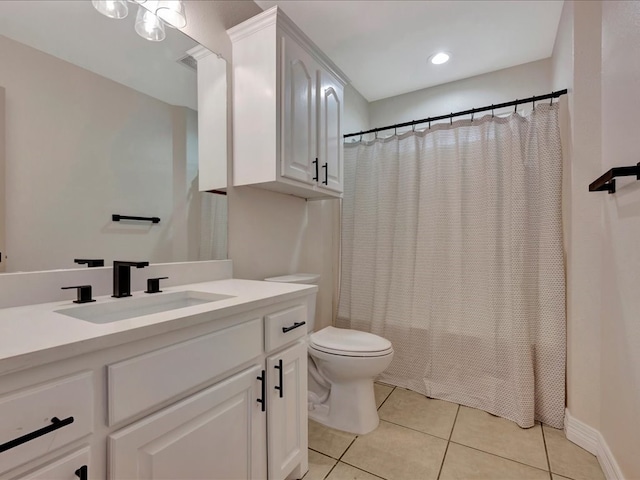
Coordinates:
<point>439,58</point>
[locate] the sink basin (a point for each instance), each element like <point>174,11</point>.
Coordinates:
<point>124,309</point>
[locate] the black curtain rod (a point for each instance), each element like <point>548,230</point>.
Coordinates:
<point>535,98</point>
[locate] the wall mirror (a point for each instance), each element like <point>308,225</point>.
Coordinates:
<point>99,121</point>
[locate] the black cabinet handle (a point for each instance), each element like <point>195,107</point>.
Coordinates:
<point>315,162</point>
<point>82,473</point>
<point>326,174</point>
<point>263,391</point>
<point>295,325</point>
<point>280,387</point>
<point>56,423</point>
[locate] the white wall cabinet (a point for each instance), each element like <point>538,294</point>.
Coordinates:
<point>288,107</point>
<point>210,402</point>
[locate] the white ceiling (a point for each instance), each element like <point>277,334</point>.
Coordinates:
<point>383,46</point>
<point>75,32</point>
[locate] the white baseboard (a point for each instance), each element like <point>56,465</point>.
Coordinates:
<point>593,442</point>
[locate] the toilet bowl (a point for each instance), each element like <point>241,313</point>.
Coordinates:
<point>348,361</point>
<point>342,366</point>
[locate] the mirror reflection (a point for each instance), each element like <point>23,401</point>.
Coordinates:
<point>99,121</point>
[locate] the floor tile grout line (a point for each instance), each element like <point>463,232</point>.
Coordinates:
<point>546,452</point>
<point>362,469</point>
<point>414,430</point>
<point>448,443</point>
<point>499,456</point>
<point>345,451</point>
<point>386,398</point>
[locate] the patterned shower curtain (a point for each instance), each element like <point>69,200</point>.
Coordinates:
<point>452,250</point>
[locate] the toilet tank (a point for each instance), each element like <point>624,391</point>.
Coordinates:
<point>302,278</point>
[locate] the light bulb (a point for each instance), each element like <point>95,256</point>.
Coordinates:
<point>172,12</point>
<point>111,8</point>
<point>148,26</point>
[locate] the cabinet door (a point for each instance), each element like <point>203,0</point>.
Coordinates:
<point>330,94</point>
<point>298,112</point>
<point>218,433</point>
<point>74,466</point>
<point>287,411</point>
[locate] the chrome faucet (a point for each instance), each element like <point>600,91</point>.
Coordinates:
<point>122,277</point>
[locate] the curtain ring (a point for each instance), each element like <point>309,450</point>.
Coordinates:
<point>515,107</point>
<point>395,131</point>
<point>360,136</point>
<point>376,134</point>
<point>472,113</point>
<point>551,102</point>
<point>451,119</point>
<point>534,103</point>
<point>492,110</point>
<point>413,127</point>
<point>429,124</point>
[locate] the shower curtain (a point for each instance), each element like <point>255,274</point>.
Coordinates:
<point>452,250</point>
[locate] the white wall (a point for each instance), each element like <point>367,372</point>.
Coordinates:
<point>501,86</point>
<point>80,148</point>
<point>576,65</point>
<point>620,272</point>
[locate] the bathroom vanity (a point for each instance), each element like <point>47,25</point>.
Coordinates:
<point>206,380</point>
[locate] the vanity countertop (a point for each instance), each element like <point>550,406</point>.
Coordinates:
<point>35,334</point>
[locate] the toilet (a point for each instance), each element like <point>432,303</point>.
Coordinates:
<point>342,366</point>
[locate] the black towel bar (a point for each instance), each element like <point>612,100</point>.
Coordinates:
<point>116,218</point>
<point>606,182</point>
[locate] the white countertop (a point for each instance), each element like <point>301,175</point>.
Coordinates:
<point>36,334</point>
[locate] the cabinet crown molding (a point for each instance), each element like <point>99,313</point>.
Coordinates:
<point>275,16</point>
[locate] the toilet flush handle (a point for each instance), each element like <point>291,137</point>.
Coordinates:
<point>295,325</point>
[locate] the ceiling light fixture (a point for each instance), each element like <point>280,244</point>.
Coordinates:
<point>439,58</point>
<point>111,8</point>
<point>150,21</point>
<point>149,26</point>
<point>172,13</point>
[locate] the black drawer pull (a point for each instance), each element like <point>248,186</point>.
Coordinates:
<point>295,325</point>
<point>280,387</point>
<point>315,162</point>
<point>326,174</point>
<point>56,423</point>
<point>263,391</point>
<point>82,473</point>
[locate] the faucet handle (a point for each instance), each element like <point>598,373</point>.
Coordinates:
<point>153,285</point>
<point>84,293</point>
<point>90,262</point>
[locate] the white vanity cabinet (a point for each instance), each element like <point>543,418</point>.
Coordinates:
<point>222,399</point>
<point>218,433</point>
<point>288,107</point>
<point>287,411</point>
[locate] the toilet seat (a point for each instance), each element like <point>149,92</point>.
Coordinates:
<point>349,343</point>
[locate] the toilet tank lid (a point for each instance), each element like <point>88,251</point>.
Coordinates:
<point>307,278</point>
<point>346,340</point>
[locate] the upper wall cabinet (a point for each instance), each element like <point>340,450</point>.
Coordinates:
<point>288,108</point>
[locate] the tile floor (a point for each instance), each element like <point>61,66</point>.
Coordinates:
<point>427,439</point>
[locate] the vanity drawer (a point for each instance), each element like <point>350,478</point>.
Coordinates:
<point>284,327</point>
<point>143,382</point>
<point>64,468</point>
<point>70,400</point>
